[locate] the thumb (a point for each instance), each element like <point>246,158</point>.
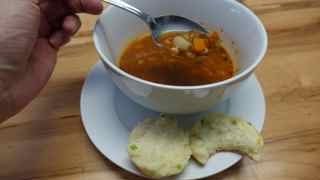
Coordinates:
<point>87,6</point>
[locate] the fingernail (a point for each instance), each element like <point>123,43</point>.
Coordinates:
<point>57,39</point>
<point>71,24</point>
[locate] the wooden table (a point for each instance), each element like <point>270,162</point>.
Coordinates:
<point>47,141</point>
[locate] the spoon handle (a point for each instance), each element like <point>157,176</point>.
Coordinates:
<point>125,6</point>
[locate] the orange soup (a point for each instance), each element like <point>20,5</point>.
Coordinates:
<point>186,59</point>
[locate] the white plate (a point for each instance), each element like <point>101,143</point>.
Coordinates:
<point>108,117</point>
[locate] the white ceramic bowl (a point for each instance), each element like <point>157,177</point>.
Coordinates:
<point>242,32</point>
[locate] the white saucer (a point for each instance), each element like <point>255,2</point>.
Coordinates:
<point>108,117</point>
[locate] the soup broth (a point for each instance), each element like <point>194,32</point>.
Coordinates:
<point>187,59</point>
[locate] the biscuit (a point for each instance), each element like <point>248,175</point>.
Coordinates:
<point>218,132</point>
<point>159,148</point>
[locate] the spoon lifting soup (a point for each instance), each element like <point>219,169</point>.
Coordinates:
<point>187,59</point>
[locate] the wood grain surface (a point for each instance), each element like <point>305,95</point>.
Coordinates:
<point>47,141</point>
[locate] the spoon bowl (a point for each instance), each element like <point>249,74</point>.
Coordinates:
<point>160,25</point>
<point>172,23</point>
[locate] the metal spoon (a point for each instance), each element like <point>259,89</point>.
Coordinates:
<point>162,24</point>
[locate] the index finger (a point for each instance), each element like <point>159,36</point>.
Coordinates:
<point>86,6</point>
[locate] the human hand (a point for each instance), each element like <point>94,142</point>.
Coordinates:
<point>31,33</point>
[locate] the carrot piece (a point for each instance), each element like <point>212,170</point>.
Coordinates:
<point>214,38</point>
<point>199,45</point>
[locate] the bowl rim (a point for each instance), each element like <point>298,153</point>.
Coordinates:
<point>234,79</point>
